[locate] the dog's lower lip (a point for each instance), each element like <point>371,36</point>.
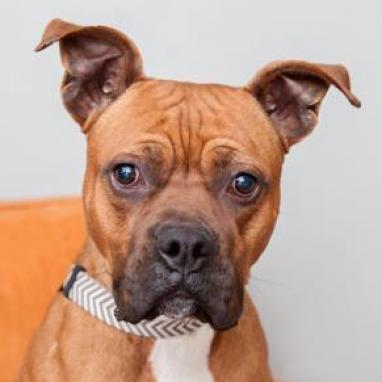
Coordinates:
<point>198,314</point>
<point>177,304</point>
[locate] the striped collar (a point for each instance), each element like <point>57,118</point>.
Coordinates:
<point>99,302</point>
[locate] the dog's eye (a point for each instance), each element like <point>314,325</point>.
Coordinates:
<point>126,174</point>
<point>245,184</point>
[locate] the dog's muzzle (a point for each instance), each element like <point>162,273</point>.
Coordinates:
<point>184,274</point>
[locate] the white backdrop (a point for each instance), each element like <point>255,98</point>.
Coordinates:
<point>318,285</point>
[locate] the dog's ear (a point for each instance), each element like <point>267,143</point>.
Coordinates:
<point>100,63</point>
<point>291,93</point>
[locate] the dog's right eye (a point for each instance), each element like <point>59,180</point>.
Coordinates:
<point>126,174</point>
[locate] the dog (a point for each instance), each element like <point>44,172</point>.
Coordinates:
<point>181,195</point>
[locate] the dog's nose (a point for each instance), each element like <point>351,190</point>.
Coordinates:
<point>185,248</point>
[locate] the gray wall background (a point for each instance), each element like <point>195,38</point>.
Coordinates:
<point>318,285</point>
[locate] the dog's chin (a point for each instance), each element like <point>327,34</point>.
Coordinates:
<point>177,306</point>
<point>180,304</point>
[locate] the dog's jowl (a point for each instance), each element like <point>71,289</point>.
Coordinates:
<point>181,194</point>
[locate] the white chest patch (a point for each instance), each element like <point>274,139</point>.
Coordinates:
<point>184,358</point>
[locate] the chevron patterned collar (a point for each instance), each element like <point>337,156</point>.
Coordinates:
<point>99,302</point>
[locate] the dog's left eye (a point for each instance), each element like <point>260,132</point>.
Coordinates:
<point>245,185</point>
<point>126,174</point>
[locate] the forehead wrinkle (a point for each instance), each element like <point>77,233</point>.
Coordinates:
<point>237,154</point>
<point>193,120</point>
<point>214,98</point>
<point>189,115</point>
<point>207,100</point>
<point>181,132</point>
<point>241,119</point>
<point>173,132</point>
<point>156,95</point>
<point>163,89</point>
<point>219,112</point>
<point>193,137</point>
<point>220,95</point>
<point>195,126</point>
<point>174,97</point>
<point>161,112</point>
<point>183,129</point>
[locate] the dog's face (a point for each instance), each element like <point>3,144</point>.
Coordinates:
<point>182,184</point>
<point>181,195</point>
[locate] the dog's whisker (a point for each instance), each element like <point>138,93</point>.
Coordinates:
<point>267,281</point>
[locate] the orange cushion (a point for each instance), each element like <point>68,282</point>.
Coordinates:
<point>38,242</point>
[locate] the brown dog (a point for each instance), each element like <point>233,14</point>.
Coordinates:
<point>181,194</point>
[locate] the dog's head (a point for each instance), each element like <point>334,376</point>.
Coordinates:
<point>182,187</point>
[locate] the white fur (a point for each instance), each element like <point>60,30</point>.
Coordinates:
<point>183,358</point>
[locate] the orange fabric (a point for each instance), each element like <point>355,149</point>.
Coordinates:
<point>38,241</point>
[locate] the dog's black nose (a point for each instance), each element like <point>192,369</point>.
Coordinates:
<point>185,248</point>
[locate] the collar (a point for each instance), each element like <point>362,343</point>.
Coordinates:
<point>99,302</point>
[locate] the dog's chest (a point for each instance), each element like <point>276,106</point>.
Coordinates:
<point>184,358</point>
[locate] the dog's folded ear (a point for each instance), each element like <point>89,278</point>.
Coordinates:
<point>100,63</point>
<point>291,93</point>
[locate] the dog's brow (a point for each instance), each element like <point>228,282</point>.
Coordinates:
<point>226,147</point>
<point>219,144</point>
<point>155,139</point>
<point>152,142</point>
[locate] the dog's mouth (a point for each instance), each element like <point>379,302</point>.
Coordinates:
<point>213,296</point>
<point>178,305</point>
